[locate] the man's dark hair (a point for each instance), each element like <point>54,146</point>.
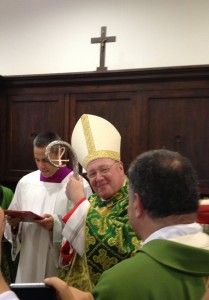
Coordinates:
<point>43,139</point>
<point>166,183</point>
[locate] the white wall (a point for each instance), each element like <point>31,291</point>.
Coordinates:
<point>53,36</point>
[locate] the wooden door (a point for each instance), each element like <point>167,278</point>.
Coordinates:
<point>178,120</point>
<point>27,115</point>
<point>120,108</point>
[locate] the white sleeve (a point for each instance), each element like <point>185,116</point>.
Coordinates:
<point>9,295</point>
<point>74,228</point>
<point>15,240</point>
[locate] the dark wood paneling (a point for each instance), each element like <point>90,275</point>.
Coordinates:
<point>27,116</point>
<point>151,108</point>
<point>2,123</point>
<point>179,122</point>
<point>118,108</point>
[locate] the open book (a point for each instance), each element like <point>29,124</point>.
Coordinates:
<point>24,216</point>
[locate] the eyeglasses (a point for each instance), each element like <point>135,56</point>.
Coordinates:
<point>102,171</point>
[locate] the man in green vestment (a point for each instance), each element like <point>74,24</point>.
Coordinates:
<point>97,232</point>
<point>173,261</point>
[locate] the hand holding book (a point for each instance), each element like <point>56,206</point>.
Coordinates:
<point>24,216</point>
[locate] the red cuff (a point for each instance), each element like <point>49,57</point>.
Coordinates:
<point>67,216</point>
<point>203,214</point>
<point>67,253</point>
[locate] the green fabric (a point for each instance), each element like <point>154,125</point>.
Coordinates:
<point>109,239</point>
<point>77,275</point>
<point>161,270</point>
<point>7,197</point>
<point>9,268</point>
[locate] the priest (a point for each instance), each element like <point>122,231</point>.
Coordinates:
<point>43,193</point>
<point>97,234</point>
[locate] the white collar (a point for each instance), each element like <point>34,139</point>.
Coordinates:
<point>173,231</point>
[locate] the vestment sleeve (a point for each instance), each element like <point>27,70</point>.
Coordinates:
<point>14,239</point>
<point>74,227</point>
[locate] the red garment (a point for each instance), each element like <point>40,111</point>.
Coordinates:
<point>66,217</point>
<point>203,214</point>
<point>67,251</point>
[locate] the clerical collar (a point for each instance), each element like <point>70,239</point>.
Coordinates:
<point>173,231</point>
<point>58,176</point>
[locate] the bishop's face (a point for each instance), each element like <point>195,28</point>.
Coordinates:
<point>45,167</point>
<point>106,176</point>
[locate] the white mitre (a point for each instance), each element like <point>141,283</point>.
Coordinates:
<point>94,137</point>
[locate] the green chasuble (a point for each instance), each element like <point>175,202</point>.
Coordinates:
<point>109,239</point>
<point>8,267</point>
<point>162,269</point>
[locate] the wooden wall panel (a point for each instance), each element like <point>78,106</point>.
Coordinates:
<point>180,123</point>
<point>151,108</point>
<point>28,115</point>
<point>118,108</point>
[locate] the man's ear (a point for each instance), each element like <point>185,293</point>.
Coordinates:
<point>121,165</point>
<point>137,204</point>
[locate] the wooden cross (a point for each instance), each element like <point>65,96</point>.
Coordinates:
<point>103,40</point>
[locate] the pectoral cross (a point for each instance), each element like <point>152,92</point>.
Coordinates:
<point>103,40</point>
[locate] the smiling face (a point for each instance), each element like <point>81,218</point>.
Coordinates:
<point>46,168</point>
<point>106,176</point>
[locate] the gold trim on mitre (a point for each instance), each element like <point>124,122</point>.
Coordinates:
<point>101,154</point>
<point>93,153</point>
<point>88,133</point>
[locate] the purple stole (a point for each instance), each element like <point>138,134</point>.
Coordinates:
<point>58,176</point>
